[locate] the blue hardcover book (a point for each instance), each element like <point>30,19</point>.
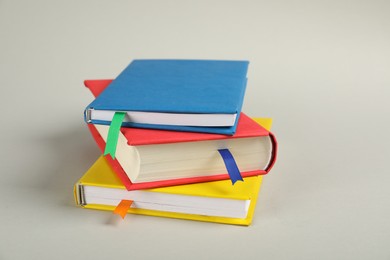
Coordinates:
<point>183,95</point>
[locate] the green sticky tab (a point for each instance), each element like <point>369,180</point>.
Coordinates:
<point>113,133</point>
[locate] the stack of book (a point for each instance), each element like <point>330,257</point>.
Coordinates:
<point>175,142</point>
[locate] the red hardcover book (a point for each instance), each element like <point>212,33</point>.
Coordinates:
<point>163,144</point>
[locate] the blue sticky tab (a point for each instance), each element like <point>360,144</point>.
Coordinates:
<point>231,165</point>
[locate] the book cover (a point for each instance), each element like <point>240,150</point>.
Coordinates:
<point>246,127</point>
<point>181,95</point>
<point>185,198</point>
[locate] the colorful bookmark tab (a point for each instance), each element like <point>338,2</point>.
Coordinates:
<point>123,207</point>
<point>231,165</point>
<point>113,133</point>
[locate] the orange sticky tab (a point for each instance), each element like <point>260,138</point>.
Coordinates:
<point>123,207</point>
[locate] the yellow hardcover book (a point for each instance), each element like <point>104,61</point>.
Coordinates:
<point>217,201</point>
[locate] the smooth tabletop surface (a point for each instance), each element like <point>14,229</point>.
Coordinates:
<point>320,69</point>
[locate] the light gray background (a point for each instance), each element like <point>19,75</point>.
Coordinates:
<point>319,68</point>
